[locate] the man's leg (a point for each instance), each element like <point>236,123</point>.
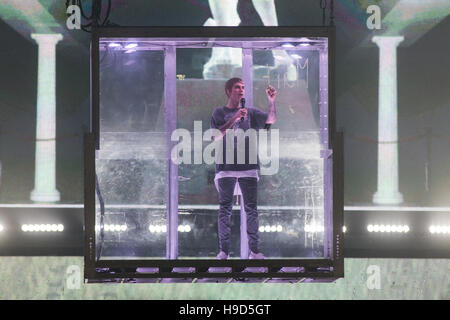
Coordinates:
<point>226,189</point>
<point>249,189</point>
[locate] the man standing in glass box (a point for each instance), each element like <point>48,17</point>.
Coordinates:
<point>235,116</point>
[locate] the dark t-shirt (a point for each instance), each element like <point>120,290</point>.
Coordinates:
<point>256,119</point>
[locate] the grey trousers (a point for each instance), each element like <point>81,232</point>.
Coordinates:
<point>249,190</point>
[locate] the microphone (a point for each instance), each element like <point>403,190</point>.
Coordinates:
<point>242,106</point>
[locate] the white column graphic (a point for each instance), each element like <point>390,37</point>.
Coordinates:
<point>45,162</point>
<point>387,183</point>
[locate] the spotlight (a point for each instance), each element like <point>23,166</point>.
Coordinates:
<point>388,228</point>
<point>114,45</point>
<point>279,228</point>
<point>261,229</point>
<point>130,51</point>
<point>267,228</point>
<point>287,45</point>
<point>184,228</point>
<point>42,228</point>
<point>273,228</point>
<point>296,56</point>
<point>151,228</point>
<point>304,44</point>
<point>131,45</point>
<point>344,229</point>
<point>439,229</point>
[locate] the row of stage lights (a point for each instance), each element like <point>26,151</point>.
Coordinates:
<point>388,228</point>
<point>131,47</point>
<point>372,228</point>
<point>42,228</point>
<point>152,228</point>
<point>163,228</point>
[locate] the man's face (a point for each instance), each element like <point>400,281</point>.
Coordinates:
<point>237,91</point>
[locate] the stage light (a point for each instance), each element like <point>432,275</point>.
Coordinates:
<point>388,228</point>
<point>296,56</point>
<point>287,45</point>
<point>114,44</point>
<point>267,228</point>
<point>261,229</point>
<point>439,229</point>
<point>151,228</point>
<point>113,227</point>
<point>344,229</point>
<point>1,228</point>
<point>184,228</point>
<point>279,228</point>
<point>273,228</point>
<point>304,44</point>
<point>130,51</point>
<point>131,45</point>
<point>42,227</point>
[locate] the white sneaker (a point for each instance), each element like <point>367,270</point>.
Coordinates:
<point>256,256</point>
<point>222,256</point>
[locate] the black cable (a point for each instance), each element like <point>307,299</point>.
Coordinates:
<point>332,13</point>
<point>323,6</point>
<point>80,5</point>
<point>107,13</point>
<point>102,215</point>
<point>84,29</point>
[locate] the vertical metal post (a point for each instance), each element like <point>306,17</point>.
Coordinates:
<point>247,76</point>
<point>170,124</point>
<point>326,153</point>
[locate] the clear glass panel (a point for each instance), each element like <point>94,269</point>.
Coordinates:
<point>198,198</point>
<point>290,201</point>
<point>131,162</point>
<point>290,196</point>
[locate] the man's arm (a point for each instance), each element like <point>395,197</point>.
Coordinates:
<point>272,115</point>
<point>240,113</point>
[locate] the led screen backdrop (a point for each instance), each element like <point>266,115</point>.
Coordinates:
<point>421,99</point>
